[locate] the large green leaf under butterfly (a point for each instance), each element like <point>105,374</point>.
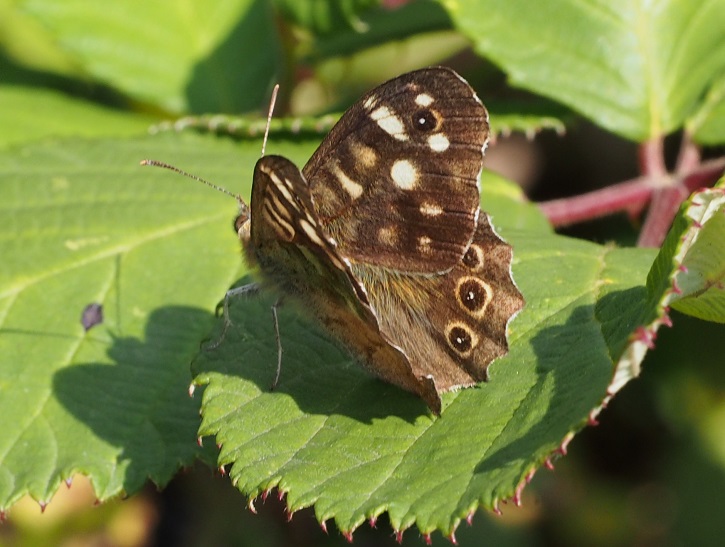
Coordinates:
<point>112,403</point>
<point>332,437</point>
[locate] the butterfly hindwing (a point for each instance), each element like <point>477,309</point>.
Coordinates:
<point>478,299</point>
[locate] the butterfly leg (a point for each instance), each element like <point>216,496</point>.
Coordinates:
<point>276,305</point>
<point>250,289</point>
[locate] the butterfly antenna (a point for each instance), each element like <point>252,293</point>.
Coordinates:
<point>155,163</point>
<point>269,116</point>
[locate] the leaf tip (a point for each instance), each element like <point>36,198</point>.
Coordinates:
<point>520,488</point>
<point>666,319</point>
<point>469,518</point>
<point>646,336</point>
<point>564,446</point>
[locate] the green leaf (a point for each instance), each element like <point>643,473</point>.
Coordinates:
<point>86,224</point>
<point>384,26</point>
<point>707,125</point>
<point>529,123</point>
<point>83,222</point>
<point>695,247</point>
<point>332,436</point>
<point>30,113</point>
<point>325,16</point>
<point>179,56</point>
<point>529,118</point>
<point>636,68</point>
<point>24,40</point>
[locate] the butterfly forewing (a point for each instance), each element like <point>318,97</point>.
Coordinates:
<point>283,214</point>
<point>396,180</point>
<point>295,253</point>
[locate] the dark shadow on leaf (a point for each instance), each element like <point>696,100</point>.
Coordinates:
<point>573,370</point>
<point>619,319</point>
<point>321,377</point>
<point>225,82</point>
<point>140,403</point>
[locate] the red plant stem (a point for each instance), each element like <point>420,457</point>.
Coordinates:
<point>624,196</point>
<point>631,196</point>
<point>652,158</point>
<point>705,175</point>
<point>689,157</point>
<point>665,204</point>
<point>666,200</point>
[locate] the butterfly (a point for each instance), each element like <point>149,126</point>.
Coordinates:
<point>382,239</point>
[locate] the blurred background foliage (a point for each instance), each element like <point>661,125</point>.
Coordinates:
<point>651,473</point>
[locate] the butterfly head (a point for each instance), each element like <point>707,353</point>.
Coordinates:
<point>243,221</point>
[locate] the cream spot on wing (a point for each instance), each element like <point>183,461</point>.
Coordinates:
<point>365,155</point>
<point>424,244</point>
<point>424,100</point>
<point>311,232</point>
<point>350,186</point>
<point>404,175</point>
<point>370,102</point>
<point>430,209</point>
<point>388,235</point>
<point>389,122</point>
<point>438,142</point>
<point>282,187</point>
<point>279,219</point>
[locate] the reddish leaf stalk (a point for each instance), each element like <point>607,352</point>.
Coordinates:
<point>599,203</point>
<point>662,191</point>
<point>665,204</point>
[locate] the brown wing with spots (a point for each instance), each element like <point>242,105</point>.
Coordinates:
<point>295,253</point>
<point>396,180</point>
<point>451,326</point>
<point>479,298</point>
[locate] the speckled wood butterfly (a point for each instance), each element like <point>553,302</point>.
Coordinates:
<point>381,237</point>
